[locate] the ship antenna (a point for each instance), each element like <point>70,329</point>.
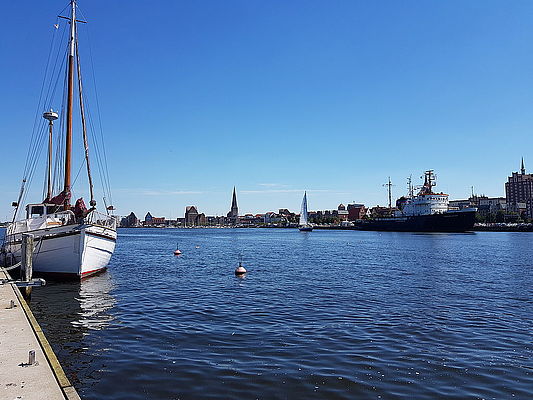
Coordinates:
<point>389,187</point>
<point>429,180</point>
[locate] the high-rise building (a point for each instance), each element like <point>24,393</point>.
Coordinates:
<point>519,192</point>
<point>234,212</point>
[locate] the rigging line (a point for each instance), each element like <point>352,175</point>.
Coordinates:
<point>84,127</point>
<point>35,148</point>
<point>56,62</point>
<point>103,181</point>
<point>98,154</point>
<point>97,151</point>
<point>41,93</point>
<point>33,151</point>
<point>58,134</point>
<point>29,179</point>
<point>98,159</point>
<point>53,90</point>
<point>78,174</point>
<point>105,189</point>
<point>64,8</point>
<point>99,115</point>
<point>59,149</point>
<point>48,90</point>
<point>36,140</point>
<point>35,156</point>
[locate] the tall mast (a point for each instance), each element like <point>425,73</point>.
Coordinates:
<point>389,187</point>
<point>70,100</point>
<point>50,116</point>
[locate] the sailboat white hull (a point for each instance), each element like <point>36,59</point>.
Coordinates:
<point>69,251</point>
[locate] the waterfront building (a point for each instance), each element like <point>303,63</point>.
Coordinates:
<point>519,192</point>
<point>150,220</point>
<point>233,214</point>
<point>212,220</point>
<point>285,212</point>
<point>251,219</point>
<point>288,216</point>
<point>356,211</point>
<point>342,213</point>
<point>129,221</point>
<point>272,218</point>
<point>193,217</point>
<point>491,205</point>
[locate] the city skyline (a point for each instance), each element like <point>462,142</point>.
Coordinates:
<point>275,100</point>
<point>473,193</point>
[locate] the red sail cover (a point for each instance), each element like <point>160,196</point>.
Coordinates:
<point>61,198</point>
<point>80,210</point>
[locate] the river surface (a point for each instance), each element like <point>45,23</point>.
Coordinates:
<point>326,314</point>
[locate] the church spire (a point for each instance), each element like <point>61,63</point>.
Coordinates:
<point>523,169</point>
<point>234,212</point>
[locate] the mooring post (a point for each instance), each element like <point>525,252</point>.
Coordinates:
<point>26,264</point>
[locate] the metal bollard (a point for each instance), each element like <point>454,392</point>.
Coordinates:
<point>31,359</point>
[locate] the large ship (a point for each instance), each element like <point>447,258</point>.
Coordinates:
<point>426,211</point>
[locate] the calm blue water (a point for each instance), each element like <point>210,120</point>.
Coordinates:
<point>327,314</point>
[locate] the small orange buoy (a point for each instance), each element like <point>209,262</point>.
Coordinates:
<point>177,252</point>
<point>240,270</point>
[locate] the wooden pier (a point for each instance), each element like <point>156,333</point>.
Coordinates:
<point>29,369</point>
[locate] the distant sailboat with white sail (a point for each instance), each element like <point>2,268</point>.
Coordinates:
<point>305,226</point>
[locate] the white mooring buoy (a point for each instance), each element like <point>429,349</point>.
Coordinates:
<point>177,252</point>
<point>240,270</point>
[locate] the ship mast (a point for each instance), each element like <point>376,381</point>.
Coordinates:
<point>410,186</point>
<point>429,181</point>
<point>389,187</point>
<point>70,101</point>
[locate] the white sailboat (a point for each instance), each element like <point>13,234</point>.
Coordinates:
<point>305,226</point>
<point>69,241</point>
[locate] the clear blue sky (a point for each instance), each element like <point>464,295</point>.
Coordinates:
<point>277,97</point>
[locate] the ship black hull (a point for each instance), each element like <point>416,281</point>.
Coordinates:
<point>459,221</point>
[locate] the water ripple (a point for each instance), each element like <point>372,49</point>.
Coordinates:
<point>337,315</point>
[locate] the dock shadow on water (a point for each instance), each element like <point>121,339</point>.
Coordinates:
<point>330,314</point>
